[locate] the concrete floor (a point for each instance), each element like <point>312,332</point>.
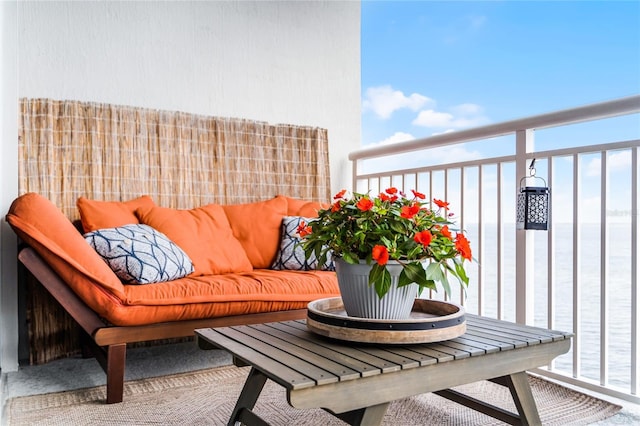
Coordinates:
<point>76,373</point>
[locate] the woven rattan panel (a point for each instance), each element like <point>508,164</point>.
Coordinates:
<point>69,149</point>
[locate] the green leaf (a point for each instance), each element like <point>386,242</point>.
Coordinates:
<point>434,272</point>
<point>350,258</point>
<point>445,285</point>
<point>396,226</point>
<point>461,273</point>
<point>380,278</point>
<point>413,273</point>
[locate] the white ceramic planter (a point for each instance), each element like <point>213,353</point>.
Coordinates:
<point>361,300</point>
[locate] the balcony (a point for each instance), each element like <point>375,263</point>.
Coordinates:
<point>581,275</point>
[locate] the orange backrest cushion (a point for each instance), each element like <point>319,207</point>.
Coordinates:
<point>43,226</point>
<point>298,207</point>
<point>110,214</point>
<point>257,227</point>
<point>204,234</point>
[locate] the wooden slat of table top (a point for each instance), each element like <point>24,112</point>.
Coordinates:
<point>493,331</point>
<point>421,358</point>
<point>471,348</point>
<point>394,358</point>
<point>430,352</point>
<point>506,342</point>
<point>292,378</point>
<point>472,335</point>
<point>558,335</point>
<point>481,347</point>
<point>304,350</point>
<point>271,348</point>
<point>295,334</point>
<point>383,365</point>
<point>540,334</point>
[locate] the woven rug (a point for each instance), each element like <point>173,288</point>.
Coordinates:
<point>207,397</point>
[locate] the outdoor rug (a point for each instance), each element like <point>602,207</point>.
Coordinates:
<point>207,397</point>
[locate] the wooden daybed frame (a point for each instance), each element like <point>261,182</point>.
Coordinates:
<point>55,134</point>
<point>108,343</point>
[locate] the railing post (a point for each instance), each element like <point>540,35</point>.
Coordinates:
<point>524,241</point>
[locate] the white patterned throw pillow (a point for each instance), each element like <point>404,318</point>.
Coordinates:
<point>291,253</point>
<point>138,254</point>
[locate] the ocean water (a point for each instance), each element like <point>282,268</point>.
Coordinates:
<point>617,285</point>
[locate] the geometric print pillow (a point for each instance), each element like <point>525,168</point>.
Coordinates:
<point>138,254</point>
<point>291,253</point>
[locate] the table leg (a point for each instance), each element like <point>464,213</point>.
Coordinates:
<point>248,397</point>
<point>518,384</point>
<point>369,416</point>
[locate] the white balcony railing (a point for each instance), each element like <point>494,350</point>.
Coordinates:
<point>581,275</point>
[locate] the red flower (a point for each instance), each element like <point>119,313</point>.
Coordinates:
<point>335,207</point>
<point>392,190</point>
<point>462,245</point>
<point>303,229</point>
<point>380,254</point>
<point>445,231</point>
<point>408,212</point>
<point>419,195</point>
<point>384,197</point>
<point>441,204</point>
<point>339,194</point>
<point>365,204</point>
<point>423,237</point>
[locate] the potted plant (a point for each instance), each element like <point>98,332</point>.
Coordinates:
<point>399,240</point>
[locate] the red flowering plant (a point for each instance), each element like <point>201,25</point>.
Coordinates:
<point>417,234</point>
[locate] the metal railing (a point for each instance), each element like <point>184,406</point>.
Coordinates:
<point>582,274</point>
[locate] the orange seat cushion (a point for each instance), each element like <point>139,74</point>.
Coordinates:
<point>110,214</point>
<point>204,234</point>
<point>222,295</point>
<point>305,208</point>
<point>257,227</point>
<point>40,224</point>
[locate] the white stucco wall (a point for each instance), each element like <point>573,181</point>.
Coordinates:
<point>280,62</point>
<point>8,185</point>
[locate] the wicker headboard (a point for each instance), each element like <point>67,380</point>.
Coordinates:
<point>69,149</point>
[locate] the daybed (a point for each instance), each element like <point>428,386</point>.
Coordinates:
<point>233,280</point>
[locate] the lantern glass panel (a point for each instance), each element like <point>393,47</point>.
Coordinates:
<point>533,208</point>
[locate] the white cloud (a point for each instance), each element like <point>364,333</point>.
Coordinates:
<point>461,116</point>
<point>618,161</point>
<point>467,109</point>
<point>395,138</point>
<point>383,101</point>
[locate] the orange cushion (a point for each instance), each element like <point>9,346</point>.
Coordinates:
<point>110,214</point>
<point>297,207</point>
<point>204,234</point>
<point>215,296</point>
<point>258,285</point>
<point>257,227</point>
<point>39,223</point>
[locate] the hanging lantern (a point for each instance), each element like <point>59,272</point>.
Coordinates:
<point>533,204</point>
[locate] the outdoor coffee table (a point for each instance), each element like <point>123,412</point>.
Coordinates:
<point>356,382</point>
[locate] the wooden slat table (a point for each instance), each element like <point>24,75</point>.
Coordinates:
<point>356,382</point>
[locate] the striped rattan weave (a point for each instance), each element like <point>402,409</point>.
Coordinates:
<point>69,149</point>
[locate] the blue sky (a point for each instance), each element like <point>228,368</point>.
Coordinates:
<point>435,66</point>
<point>430,67</point>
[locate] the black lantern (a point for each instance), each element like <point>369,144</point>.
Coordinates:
<point>533,204</point>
